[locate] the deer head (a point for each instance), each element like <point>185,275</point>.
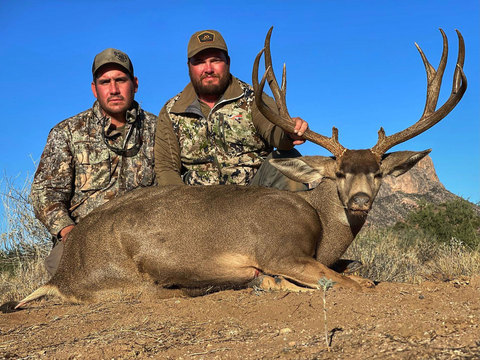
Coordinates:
<point>358,173</point>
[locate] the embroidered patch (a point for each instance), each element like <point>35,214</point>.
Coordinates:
<point>120,56</point>
<point>206,37</point>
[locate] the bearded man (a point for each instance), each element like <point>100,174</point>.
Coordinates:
<point>213,133</point>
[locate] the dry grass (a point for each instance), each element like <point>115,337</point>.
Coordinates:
<point>455,261</point>
<point>24,242</point>
<point>25,278</point>
<point>412,257</point>
<point>21,233</point>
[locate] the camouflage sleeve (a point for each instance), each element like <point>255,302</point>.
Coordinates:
<point>52,184</point>
<point>274,135</point>
<point>167,152</point>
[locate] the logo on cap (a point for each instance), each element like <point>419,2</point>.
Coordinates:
<point>120,56</point>
<point>206,37</point>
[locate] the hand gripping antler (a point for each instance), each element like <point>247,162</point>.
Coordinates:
<point>283,119</point>
<point>434,81</point>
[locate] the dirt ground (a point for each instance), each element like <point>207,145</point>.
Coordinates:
<point>436,320</point>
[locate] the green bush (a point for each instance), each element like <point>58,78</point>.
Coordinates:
<point>455,219</point>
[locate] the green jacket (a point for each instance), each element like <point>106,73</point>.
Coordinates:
<point>79,172</point>
<point>225,147</point>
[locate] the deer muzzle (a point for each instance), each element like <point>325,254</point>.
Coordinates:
<point>360,202</point>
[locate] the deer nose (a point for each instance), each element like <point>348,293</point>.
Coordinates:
<point>360,201</point>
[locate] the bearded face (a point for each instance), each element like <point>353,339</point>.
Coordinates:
<point>209,72</point>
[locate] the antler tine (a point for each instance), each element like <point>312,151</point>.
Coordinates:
<point>430,116</point>
<point>279,94</point>
<point>457,77</point>
<point>283,122</point>
<point>283,119</point>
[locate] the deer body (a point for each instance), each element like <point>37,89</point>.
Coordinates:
<point>225,236</point>
<point>153,235</point>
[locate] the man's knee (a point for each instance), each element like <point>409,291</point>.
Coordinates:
<point>269,176</point>
<point>53,259</point>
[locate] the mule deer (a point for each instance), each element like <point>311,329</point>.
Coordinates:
<point>192,237</point>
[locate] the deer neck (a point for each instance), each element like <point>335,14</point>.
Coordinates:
<point>338,227</point>
<point>324,198</point>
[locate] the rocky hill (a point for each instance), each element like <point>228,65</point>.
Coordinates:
<point>398,196</point>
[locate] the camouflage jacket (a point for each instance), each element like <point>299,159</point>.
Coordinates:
<point>227,147</point>
<point>83,166</point>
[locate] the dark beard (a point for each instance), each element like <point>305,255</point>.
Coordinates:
<point>211,90</point>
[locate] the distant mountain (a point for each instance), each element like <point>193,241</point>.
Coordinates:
<point>400,195</point>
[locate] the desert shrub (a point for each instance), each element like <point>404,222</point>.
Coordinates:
<point>412,255</point>
<point>23,236</point>
<point>455,219</point>
<point>24,242</point>
<point>387,255</point>
<point>22,278</point>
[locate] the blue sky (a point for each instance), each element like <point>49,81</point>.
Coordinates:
<point>350,64</point>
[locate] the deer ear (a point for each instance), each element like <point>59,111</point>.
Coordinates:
<point>305,169</point>
<point>399,162</point>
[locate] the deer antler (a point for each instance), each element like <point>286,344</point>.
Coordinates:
<point>283,119</point>
<point>434,81</point>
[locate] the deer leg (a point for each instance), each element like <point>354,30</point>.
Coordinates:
<point>277,283</point>
<point>307,271</point>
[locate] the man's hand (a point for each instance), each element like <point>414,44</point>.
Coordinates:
<point>65,231</point>
<point>300,127</point>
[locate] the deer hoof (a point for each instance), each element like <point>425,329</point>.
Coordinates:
<point>364,283</point>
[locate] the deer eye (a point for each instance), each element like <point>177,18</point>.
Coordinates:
<point>340,175</point>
